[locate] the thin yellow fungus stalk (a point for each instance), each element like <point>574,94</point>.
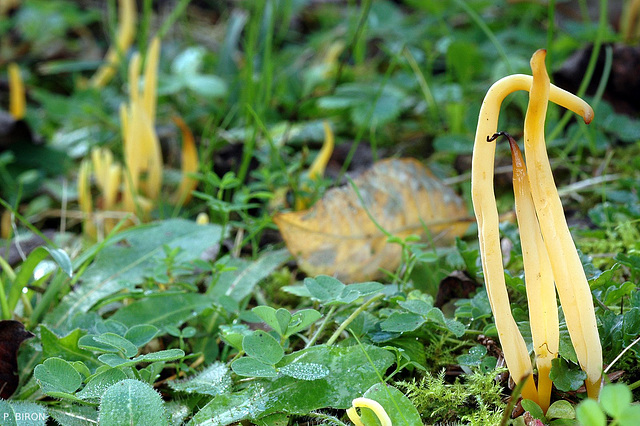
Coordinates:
<point>84,198</point>
<point>17,99</point>
<point>629,26</point>
<point>484,203</point>
<point>374,406</point>
<point>5,225</point>
<point>124,37</point>
<point>189,163</point>
<point>134,79</point>
<point>149,95</point>
<point>541,292</point>
<point>571,282</point>
<point>151,157</point>
<point>316,171</point>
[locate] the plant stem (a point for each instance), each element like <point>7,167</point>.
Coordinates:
<point>6,314</point>
<point>512,401</point>
<point>322,327</point>
<point>353,316</point>
<point>178,9</point>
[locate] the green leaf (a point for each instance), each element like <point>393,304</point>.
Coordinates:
<point>98,384</point>
<point>561,409</point>
<point>22,413</point>
<point>162,309</point>
<point>589,413</point>
<point>28,266</point>
<point>350,375</point>
<point>615,398</point>
<point>305,371</point>
<point>233,335</point>
<point>533,409</point>
<point>263,347</point>
<point>123,345</point>
<point>210,86</point>
<point>239,283</point>
<point>277,320</point>
<point>74,415</point>
<point>274,420</point>
<point>402,322</point>
<point>324,288</point>
<point>251,367</point>
<point>166,355</point>
<point>564,377</point>
<point>141,334</point>
<point>630,416</point>
<point>399,408</point>
<point>132,402</point>
<point>90,343</point>
<point>213,380</point>
<point>419,307</point>
<point>455,327</point>
<point>65,347</point>
<point>57,375</point>
<point>302,319</point>
<point>129,257</point>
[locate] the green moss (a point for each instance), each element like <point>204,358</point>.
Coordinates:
<point>476,399</point>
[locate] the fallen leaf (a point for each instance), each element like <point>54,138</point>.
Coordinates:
<point>337,237</point>
<point>12,334</point>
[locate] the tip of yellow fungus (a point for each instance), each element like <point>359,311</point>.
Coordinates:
<point>202,218</point>
<point>124,38</point>
<point>374,406</point>
<point>316,171</point>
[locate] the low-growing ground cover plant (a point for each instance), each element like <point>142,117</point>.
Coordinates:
<point>277,227</point>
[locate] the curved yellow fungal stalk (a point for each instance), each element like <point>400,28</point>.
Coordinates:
<point>189,163</point>
<point>124,38</point>
<point>541,292</point>
<point>571,282</point>
<point>17,99</point>
<point>149,95</point>
<point>484,203</point>
<point>316,171</point>
<point>84,198</point>
<point>374,406</point>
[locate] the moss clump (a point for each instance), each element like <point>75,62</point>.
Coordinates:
<point>476,399</point>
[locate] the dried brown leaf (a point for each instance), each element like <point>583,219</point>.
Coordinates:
<point>337,237</point>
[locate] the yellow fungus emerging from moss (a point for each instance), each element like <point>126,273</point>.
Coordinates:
<point>566,267</point>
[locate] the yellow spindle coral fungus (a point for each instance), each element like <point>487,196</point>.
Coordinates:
<point>565,265</point>
<point>189,163</point>
<point>124,38</point>
<point>316,171</point>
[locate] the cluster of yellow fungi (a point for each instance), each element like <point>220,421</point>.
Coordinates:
<point>549,253</point>
<point>132,190</point>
